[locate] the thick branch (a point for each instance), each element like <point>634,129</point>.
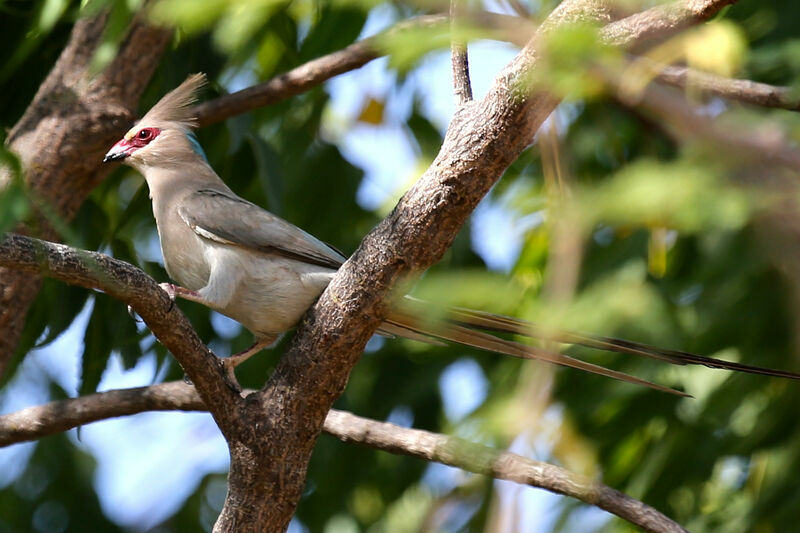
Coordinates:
<point>483,139</point>
<point>661,21</point>
<point>302,78</point>
<point>63,134</point>
<point>127,283</point>
<point>55,417</point>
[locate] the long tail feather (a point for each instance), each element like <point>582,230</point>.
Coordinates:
<point>504,324</point>
<point>470,328</point>
<point>460,334</point>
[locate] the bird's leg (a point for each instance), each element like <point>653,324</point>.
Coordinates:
<point>234,360</point>
<point>173,291</point>
<point>176,291</point>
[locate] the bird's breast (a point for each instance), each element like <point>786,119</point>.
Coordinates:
<point>183,252</point>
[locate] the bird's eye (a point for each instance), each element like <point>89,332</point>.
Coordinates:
<point>144,136</point>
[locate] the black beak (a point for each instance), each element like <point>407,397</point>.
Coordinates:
<point>114,157</point>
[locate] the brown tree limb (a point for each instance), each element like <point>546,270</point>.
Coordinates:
<point>281,422</point>
<point>746,91</point>
<point>55,417</point>
<point>129,284</point>
<point>661,21</point>
<point>63,134</point>
<point>304,77</point>
<point>683,120</point>
<point>271,433</point>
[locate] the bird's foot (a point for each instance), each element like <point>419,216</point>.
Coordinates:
<point>176,291</point>
<point>231,362</point>
<point>170,289</point>
<point>230,367</point>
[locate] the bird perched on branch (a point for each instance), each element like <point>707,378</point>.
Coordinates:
<point>246,263</point>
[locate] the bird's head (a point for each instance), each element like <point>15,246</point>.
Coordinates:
<point>164,135</point>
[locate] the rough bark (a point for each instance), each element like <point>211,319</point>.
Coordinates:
<point>271,432</point>
<point>483,139</point>
<point>63,134</point>
<point>125,282</point>
<point>58,416</point>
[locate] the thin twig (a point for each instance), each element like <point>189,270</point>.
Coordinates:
<point>55,417</point>
<point>462,88</point>
<point>304,77</point>
<point>654,23</point>
<point>684,121</point>
<point>750,92</point>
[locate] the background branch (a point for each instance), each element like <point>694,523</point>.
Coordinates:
<point>63,134</point>
<point>304,77</point>
<point>459,59</point>
<point>55,417</point>
<point>685,121</point>
<point>750,92</point>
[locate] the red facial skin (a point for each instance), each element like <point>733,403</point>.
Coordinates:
<point>143,137</point>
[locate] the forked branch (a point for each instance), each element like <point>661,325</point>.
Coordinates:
<point>40,421</point>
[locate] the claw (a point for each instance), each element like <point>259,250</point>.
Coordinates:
<point>169,288</point>
<point>230,367</point>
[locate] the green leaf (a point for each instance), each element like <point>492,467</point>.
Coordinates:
<point>270,173</point>
<point>110,329</point>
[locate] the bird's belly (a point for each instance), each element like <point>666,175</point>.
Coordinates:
<point>273,294</point>
<point>189,270</point>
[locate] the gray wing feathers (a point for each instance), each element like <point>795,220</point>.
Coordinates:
<point>225,218</point>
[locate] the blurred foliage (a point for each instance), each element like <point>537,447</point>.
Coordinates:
<point>673,248</point>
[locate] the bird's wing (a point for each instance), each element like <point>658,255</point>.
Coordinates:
<point>223,217</point>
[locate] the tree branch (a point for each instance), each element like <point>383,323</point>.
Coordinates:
<point>683,121</point>
<point>304,77</point>
<point>749,92</point>
<point>127,283</point>
<point>63,134</point>
<point>281,423</point>
<point>661,21</point>
<point>459,59</point>
<point>55,417</point>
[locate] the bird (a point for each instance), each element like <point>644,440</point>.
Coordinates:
<point>244,262</point>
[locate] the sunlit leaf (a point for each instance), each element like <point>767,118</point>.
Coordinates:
<point>719,47</point>
<point>677,195</point>
<point>372,112</point>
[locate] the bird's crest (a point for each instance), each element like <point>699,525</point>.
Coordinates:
<point>176,105</point>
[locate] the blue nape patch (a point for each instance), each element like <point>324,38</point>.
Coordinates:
<point>196,145</point>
